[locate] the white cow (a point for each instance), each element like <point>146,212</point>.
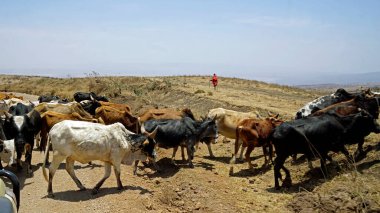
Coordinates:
<point>227,121</point>
<point>7,154</point>
<point>84,142</point>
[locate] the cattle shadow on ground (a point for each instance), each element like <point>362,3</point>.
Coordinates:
<point>313,178</point>
<point>206,166</point>
<point>227,160</point>
<point>78,196</point>
<point>80,166</point>
<point>366,165</point>
<point>243,173</point>
<point>167,168</point>
<point>219,159</point>
<point>21,174</point>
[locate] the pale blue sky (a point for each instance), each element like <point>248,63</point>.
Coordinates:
<point>276,41</point>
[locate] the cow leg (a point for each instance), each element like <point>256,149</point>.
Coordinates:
<point>107,173</point>
<point>210,150</point>
<point>18,161</point>
<point>28,158</point>
<point>287,182</point>
<point>38,139</point>
<point>241,152</point>
<point>174,152</point>
<point>57,159</point>
<point>359,153</point>
<point>278,164</point>
<point>190,155</point>
<point>135,167</point>
<point>116,169</point>
<point>183,153</point>
<point>70,170</point>
<point>248,155</point>
<point>236,150</point>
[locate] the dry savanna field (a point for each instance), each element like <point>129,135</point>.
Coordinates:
<point>207,187</point>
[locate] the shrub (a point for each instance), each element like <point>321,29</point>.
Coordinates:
<point>199,91</point>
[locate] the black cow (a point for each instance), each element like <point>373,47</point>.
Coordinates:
<point>90,105</point>
<point>324,101</point>
<point>183,132</point>
<point>48,98</point>
<point>316,136</point>
<point>20,109</point>
<point>22,129</point>
<point>81,96</point>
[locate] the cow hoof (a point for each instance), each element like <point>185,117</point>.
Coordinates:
<point>191,165</point>
<point>231,173</point>
<point>212,156</point>
<point>120,188</point>
<point>50,195</point>
<point>83,189</point>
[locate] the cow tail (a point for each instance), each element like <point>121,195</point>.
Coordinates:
<point>312,147</point>
<point>44,161</point>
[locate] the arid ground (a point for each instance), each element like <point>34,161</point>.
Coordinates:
<point>207,187</point>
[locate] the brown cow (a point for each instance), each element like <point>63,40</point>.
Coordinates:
<point>9,96</point>
<point>165,113</point>
<point>254,132</point>
<point>111,115</point>
<point>120,107</point>
<point>50,118</point>
<point>63,108</point>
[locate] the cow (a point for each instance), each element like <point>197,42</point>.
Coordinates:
<point>48,98</point>
<point>227,121</point>
<point>360,102</point>
<point>91,105</point>
<point>183,132</point>
<point>22,129</point>
<point>255,132</point>
<point>50,118</point>
<point>111,115</point>
<point>324,101</point>
<point>7,152</point>
<point>81,96</point>
<point>165,113</point>
<point>63,108</point>
<point>315,136</point>
<point>82,141</point>
<point>9,96</point>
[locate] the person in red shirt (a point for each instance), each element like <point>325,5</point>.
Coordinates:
<point>214,81</point>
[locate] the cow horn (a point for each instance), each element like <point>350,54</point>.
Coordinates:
<point>7,115</point>
<point>152,135</point>
<point>278,114</point>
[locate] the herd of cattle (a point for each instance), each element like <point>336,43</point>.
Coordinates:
<point>92,128</point>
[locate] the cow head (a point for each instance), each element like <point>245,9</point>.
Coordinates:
<point>210,130</point>
<point>22,129</point>
<point>145,142</point>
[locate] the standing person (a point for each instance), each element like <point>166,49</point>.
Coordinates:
<point>214,81</point>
